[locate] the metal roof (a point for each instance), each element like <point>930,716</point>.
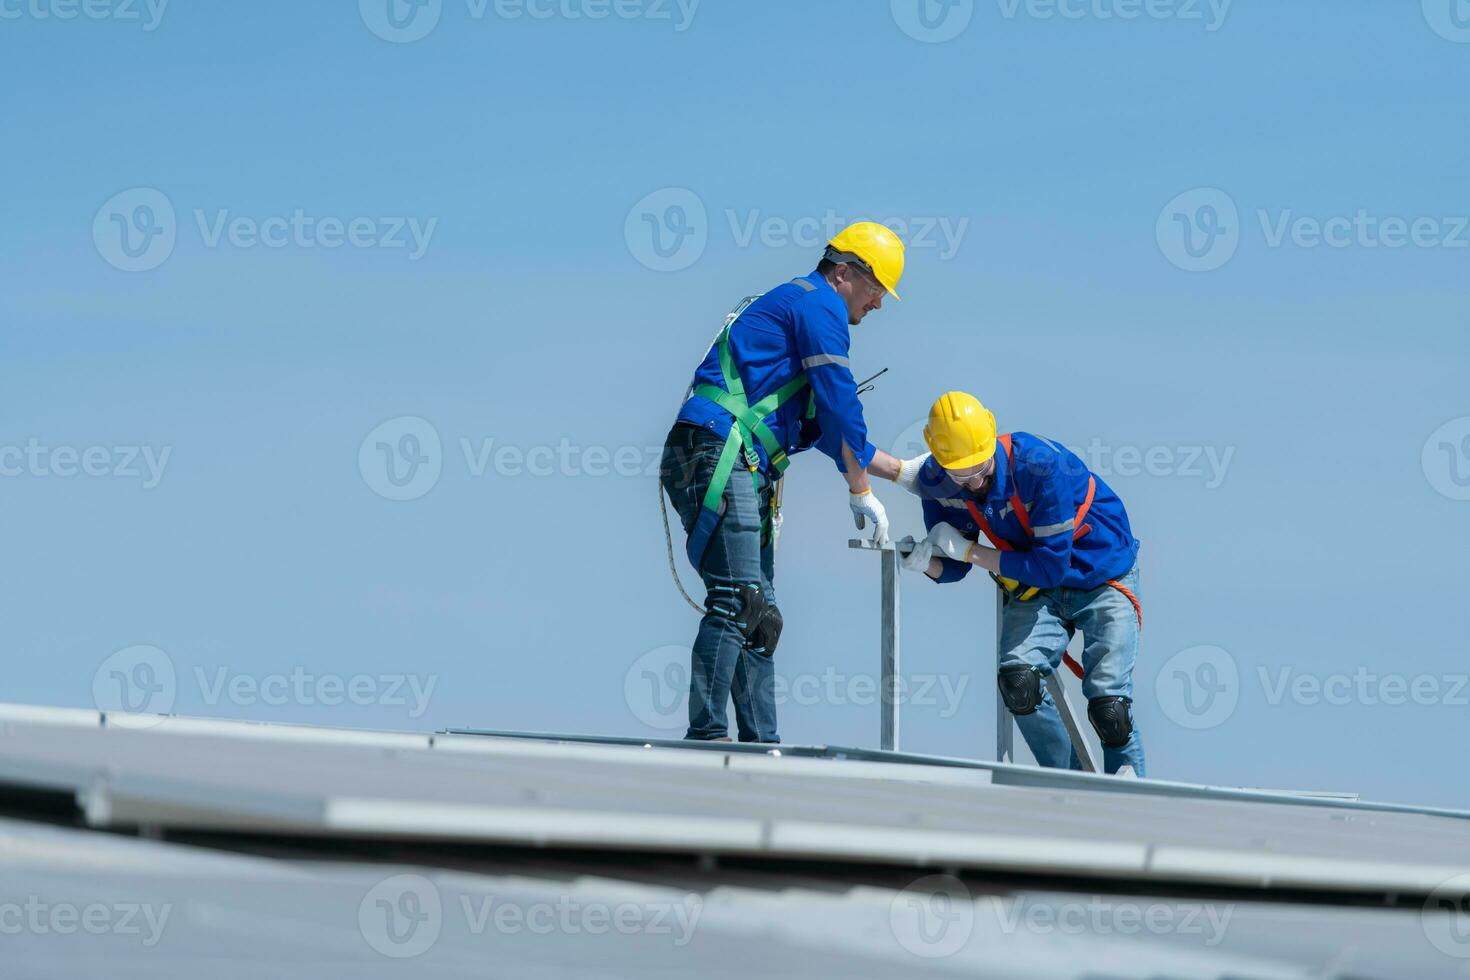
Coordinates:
<point>834,861</point>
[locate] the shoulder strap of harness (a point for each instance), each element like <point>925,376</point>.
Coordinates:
<point>746,428</point>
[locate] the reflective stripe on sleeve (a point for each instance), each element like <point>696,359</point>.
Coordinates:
<point>1047,530</point>
<point>818,360</point>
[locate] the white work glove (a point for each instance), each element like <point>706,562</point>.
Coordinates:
<point>919,558</point>
<point>948,541</point>
<point>867,507</point>
<point>908,473</point>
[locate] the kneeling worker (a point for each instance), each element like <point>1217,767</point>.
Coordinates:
<point>1063,554</point>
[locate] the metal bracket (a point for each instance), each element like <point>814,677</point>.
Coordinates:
<point>889,648</point>
<point>888,645</point>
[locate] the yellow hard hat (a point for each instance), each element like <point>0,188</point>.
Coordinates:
<point>961,431</point>
<point>876,246</point>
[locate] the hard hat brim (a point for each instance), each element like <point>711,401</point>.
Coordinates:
<point>974,459</point>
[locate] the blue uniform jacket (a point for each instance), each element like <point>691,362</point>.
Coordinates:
<point>1052,482</point>
<point>785,332</point>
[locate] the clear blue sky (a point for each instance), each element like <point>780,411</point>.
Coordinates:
<point>1327,542</point>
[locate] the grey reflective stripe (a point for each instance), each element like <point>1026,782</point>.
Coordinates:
<point>951,502</point>
<point>1050,529</point>
<point>1050,443</point>
<point>817,360</point>
<point>1008,509</point>
<point>804,284</point>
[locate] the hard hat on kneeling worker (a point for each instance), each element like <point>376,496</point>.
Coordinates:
<point>961,431</point>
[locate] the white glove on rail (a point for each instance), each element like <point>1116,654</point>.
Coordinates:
<point>917,560</point>
<point>867,507</point>
<point>948,541</point>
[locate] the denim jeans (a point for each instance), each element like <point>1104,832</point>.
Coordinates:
<point>1037,631</point>
<point>722,667</point>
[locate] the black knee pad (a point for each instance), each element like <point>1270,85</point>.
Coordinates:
<point>1112,717</point>
<point>757,619</point>
<point>1020,688</point>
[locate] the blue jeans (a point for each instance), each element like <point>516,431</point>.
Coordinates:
<point>722,667</point>
<point>1036,632</point>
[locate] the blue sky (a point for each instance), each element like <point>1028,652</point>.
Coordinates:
<point>1220,249</point>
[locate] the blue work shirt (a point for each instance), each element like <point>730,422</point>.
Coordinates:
<point>787,331</point>
<point>1052,484</point>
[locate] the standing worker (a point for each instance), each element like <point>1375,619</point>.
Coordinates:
<point>1065,558</point>
<point>775,382</point>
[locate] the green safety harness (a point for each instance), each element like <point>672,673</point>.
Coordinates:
<point>748,427</point>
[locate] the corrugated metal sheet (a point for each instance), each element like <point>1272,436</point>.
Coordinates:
<point>854,873</point>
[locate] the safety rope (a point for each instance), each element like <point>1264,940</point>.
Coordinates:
<point>669,544</point>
